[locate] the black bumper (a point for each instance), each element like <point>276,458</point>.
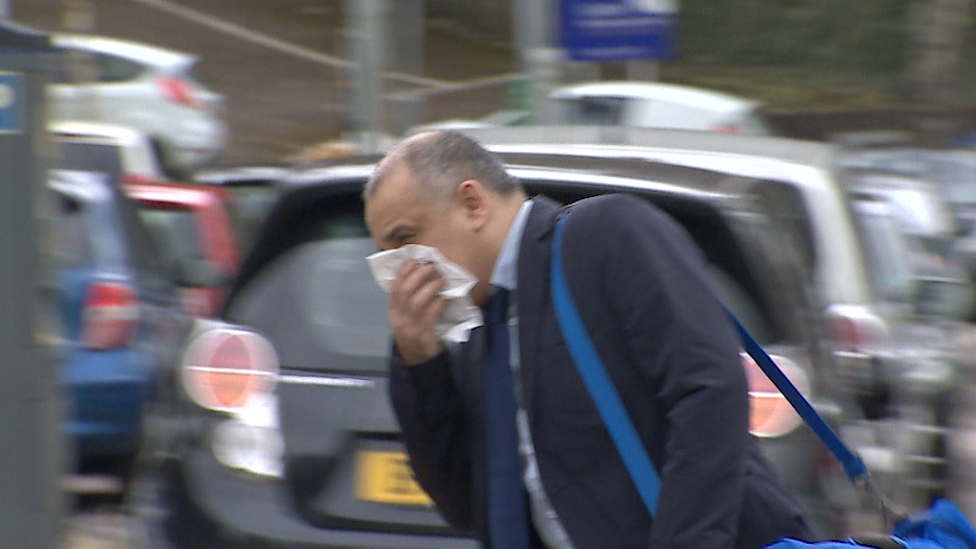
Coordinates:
<point>198,504</point>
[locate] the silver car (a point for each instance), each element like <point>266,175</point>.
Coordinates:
<point>894,367</point>
<point>151,89</point>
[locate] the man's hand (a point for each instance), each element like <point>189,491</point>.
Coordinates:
<point>415,307</point>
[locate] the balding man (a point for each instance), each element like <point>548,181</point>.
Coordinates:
<point>518,453</point>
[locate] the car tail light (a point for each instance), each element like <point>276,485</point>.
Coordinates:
<point>178,91</point>
<point>854,329</point>
<point>133,180</point>
<point>726,128</point>
<point>848,333</point>
<point>859,337</point>
<point>229,369</point>
<point>770,414</point>
<point>110,316</point>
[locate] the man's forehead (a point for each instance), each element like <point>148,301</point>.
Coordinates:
<point>400,182</point>
<point>393,201</point>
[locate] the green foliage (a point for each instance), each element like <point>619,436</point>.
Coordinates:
<point>863,36</point>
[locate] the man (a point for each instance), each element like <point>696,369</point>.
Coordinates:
<point>640,287</point>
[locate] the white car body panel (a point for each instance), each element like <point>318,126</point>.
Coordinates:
<point>842,274</point>
<point>662,105</point>
<point>189,134</point>
<point>137,154</point>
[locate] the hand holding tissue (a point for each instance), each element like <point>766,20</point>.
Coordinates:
<point>460,315</point>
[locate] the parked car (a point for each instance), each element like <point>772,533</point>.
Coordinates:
<point>929,230</point>
<point>194,232</point>
<point>630,103</point>
<point>654,105</point>
<point>121,324</point>
<point>131,150</point>
<point>146,87</point>
<point>283,433</point>
<point>951,171</point>
<point>876,339</point>
<point>253,190</point>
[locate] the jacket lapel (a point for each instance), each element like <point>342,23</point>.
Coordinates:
<point>533,292</point>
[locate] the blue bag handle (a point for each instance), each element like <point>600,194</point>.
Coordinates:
<point>853,465</point>
<point>601,389</point>
<point>622,431</point>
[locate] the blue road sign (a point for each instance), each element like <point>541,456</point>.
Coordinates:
<point>618,30</point>
<point>11,102</point>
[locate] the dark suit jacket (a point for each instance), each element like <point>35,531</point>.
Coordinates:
<point>640,287</point>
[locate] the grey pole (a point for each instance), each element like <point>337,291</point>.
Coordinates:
<point>406,26</point>
<point>31,455</point>
<point>540,60</point>
<point>366,36</point>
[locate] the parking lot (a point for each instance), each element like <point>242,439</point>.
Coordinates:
<point>273,61</point>
<point>277,65</point>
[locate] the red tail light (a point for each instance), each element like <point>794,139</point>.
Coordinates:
<point>227,369</point>
<point>178,91</point>
<point>770,414</point>
<point>726,128</point>
<point>848,334</point>
<point>854,330</point>
<point>110,316</point>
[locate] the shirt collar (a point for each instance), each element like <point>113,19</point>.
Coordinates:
<point>505,273</point>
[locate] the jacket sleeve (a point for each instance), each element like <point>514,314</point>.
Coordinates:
<point>653,281</point>
<point>436,432</point>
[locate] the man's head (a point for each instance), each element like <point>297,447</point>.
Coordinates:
<point>442,189</point>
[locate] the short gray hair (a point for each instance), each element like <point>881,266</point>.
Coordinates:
<point>442,160</point>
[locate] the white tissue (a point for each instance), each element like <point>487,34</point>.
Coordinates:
<point>460,315</point>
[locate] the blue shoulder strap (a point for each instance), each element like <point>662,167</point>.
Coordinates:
<point>601,389</point>
<point>852,464</point>
<point>614,415</point>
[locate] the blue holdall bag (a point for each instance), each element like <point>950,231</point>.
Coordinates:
<point>942,526</point>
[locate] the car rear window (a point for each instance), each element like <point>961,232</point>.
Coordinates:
<point>344,305</point>
<point>116,69</point>
<point>318,301</point>
<point>89,229</point>
<point>73,246</point>
<point>175,234</point>
<point>887,252</point>
<point>590,111</point>
<point>88,156</point>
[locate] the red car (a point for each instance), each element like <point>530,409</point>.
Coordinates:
<point>195,233</point>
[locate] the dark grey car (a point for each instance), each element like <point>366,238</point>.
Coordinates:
<point>278,432</point>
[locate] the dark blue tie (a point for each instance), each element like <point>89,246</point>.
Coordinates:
<point>507,506</point>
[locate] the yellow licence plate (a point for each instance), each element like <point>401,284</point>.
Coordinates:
<point>386,477</point>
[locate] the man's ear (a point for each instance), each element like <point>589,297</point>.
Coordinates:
<point>474,201</point>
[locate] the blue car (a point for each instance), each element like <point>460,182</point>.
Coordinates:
<point>119,309</point>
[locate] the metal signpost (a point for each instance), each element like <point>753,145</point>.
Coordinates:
<point>31,455</point>
<point>367,45</point>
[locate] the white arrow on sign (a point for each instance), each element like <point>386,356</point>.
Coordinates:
<point>654,6</point>
<point>6,96</point>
